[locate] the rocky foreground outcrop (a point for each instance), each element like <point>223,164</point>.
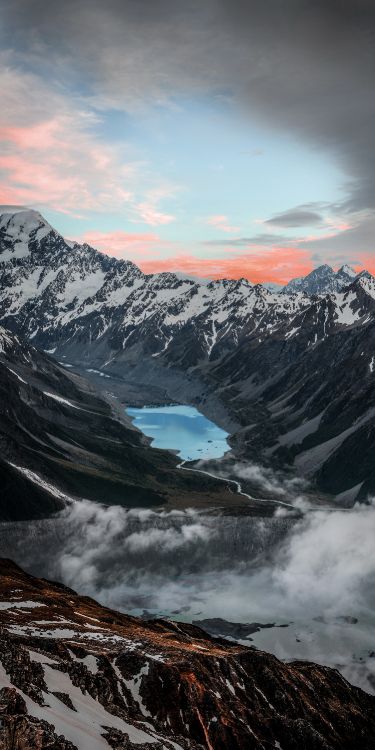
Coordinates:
<point>74,674</point>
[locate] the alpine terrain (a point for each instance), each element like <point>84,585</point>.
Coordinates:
<point>272,368</point>
<point>61,440</point>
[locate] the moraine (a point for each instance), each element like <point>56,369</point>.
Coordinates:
<point>182,429</point>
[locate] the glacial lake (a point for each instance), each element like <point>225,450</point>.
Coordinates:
<point>182,429</point>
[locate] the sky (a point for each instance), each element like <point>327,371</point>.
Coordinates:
<point>220,139</point>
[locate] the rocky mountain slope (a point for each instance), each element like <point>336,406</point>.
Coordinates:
<point>308,393</point>
<point>77,676</point>
<point>290,375</point>
<point>322,280</point>
<point>60,440</point>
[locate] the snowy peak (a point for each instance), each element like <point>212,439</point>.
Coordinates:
<point>348,270</point>
<point>20,219</point>
<point>20,227</point>
<point>366,282</point>
<point>322,280</point>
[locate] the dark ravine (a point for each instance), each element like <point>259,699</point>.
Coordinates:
<point>60,440</point>
<point>75,674</point>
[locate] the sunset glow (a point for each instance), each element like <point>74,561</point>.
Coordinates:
<point>147,151</point>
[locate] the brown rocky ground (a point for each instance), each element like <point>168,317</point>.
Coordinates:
<point>75,674</point>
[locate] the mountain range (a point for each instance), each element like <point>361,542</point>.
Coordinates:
<point>290,374</point>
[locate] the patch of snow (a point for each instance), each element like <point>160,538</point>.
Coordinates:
<point>345,315</point>
<point>41,658</point>
<point>39,632</point>
<point>84,726</point>
<point>36,479</point>
<point>292,332</point>
<point>17,376</point>
<point>20,605</point>
<point>61,400</point>
<point>90,661</point>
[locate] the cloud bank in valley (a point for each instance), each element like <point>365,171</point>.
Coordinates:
<point>188,564</point>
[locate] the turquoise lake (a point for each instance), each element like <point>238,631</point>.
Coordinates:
<point>182,429</point>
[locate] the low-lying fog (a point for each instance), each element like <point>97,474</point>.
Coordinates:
<point>315,573</point>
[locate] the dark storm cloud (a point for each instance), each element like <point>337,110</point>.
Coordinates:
<point>256,239</point>
<point>302,66</point>
<point>312,73</point>
<point>295,217</point>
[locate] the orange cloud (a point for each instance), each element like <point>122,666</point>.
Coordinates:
<point>276,265</point>
<point>121,244</point>
<point>368,262</point>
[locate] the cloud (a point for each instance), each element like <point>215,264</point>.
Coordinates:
<point>121,244</point>
<point>148,214</point>
<point>311,572</point>
<point>57,160</point>
<point>309,72</point>
<point>295,217</point>
<point>222,223</point>
<point>277,264</point>
<point>266,479</point>
<point>256,239</point>
<point>329,561</point>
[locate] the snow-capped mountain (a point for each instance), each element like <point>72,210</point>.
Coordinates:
<point>57,292</point>
<point>231,346</point>
<point>65,295</point>
<point>321,280</point>
<point>75,674</point>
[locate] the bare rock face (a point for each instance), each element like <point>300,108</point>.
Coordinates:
<point>74,674</point>
<point>19,730</point>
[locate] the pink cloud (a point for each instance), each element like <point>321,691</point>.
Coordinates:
<point>57,161</point>
<point>277,264</point>
<point>148,213</point>
<point>39,136</point>
<point>58,164</point>
<point>221,222</point>
<point>121,244</point>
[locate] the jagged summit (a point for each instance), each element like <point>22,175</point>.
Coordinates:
<point>21,216</point>
<point>348,270</point>
<point>20,229</point>
<point>321,280</point>
<point>12,210</point>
